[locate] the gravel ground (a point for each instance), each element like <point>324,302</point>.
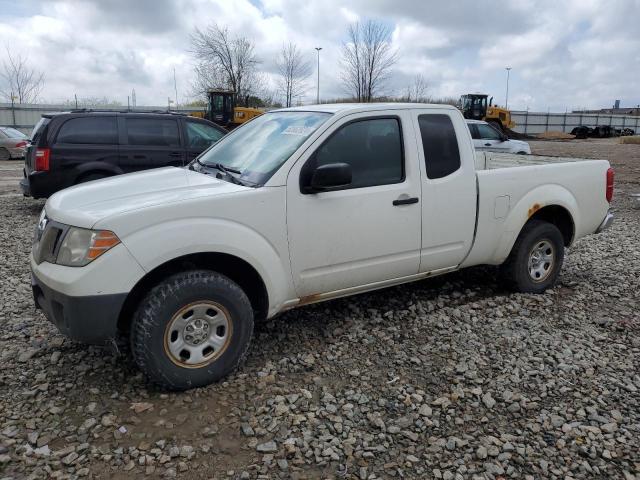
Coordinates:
<point>447,378</point>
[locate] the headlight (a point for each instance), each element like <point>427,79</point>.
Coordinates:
<point>81,246</point>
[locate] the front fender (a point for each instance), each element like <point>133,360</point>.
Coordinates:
<point>155,245</point>
<point>526,207</point>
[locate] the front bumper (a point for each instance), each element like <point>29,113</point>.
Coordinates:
<point>606,223</point>
<point>88,319</point>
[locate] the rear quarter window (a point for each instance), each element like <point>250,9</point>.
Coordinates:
<point>440,145</point>
<point>89,131</point>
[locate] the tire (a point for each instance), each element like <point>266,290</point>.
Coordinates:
<point>90,177</point>
<point>4,154</point>
<point>526,270</point>
<point>162,321</point>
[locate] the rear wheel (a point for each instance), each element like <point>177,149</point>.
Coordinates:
<point>4,154</point>
<point>536,258</point>
<point>192,329</point>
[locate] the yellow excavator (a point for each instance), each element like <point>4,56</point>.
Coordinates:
<point>474,106</point>
<point>221,110</point>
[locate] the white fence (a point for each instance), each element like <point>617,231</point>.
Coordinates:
<point>24,117</point>
<point>539,122</point>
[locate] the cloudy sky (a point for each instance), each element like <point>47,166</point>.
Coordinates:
<point>565,54</point>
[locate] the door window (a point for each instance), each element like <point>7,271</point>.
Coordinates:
<point>474,131</point>
<point>153,132</point>
<point>201,135</point>
<point>487,132</point>
<point>440,145</point>
<point>372,147</point>
<point>89,130</point>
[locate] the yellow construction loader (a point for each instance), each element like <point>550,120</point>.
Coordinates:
<point>474,106</point>
<point>221,110</point>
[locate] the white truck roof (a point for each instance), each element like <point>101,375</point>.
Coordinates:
<point>362,107</point>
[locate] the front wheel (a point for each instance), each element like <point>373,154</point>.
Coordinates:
<point>536,258</point>
<point>191,330</point>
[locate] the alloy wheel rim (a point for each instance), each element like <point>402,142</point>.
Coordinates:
<point>541,260</point>
<point>198,334</point>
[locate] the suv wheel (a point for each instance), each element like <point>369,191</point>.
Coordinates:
<point>536,258</point>
<point>191,330</point>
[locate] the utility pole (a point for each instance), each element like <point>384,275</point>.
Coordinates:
<point>506,97</point>
<point>175,85</point>
<point>318,91</point>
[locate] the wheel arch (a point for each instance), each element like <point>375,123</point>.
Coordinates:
<point>92,168</point>
<point>559,208</point>
<point>235,268</point>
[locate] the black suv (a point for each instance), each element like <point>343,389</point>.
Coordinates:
<point>75,147</point>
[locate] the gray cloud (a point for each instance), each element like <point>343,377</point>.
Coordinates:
<point>575,53</point>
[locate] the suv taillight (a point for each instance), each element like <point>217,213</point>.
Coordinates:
<point>609,190</point>
<point>42,159</point>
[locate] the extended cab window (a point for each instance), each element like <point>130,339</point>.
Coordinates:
<point>202,135</point>
<point>440,144</point>
<point>89,130</point>
<point>372,147</point>
<point>153,132</point>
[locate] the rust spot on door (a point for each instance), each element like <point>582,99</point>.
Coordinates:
<point>534,209</point>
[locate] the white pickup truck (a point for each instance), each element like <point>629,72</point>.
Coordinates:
<point>299,206</point>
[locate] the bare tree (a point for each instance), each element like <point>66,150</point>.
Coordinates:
<point>367,59</point>
<point>293,71</point>
<point>417,91</point>
<point>20,82</point>
<point>224,60</point>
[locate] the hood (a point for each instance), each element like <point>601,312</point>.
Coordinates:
<point>85,204</point>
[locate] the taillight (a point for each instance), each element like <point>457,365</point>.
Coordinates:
<point>42,159</point>
<point>21,144</point>
<point>609,191</point>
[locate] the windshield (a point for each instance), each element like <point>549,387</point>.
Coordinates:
<point>262,145</point>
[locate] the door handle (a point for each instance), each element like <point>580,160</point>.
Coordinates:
<point>405,201</point>
<point>487,144</point>
<point>175,154</point>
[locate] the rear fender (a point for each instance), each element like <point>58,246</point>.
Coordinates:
<point>527,206</point>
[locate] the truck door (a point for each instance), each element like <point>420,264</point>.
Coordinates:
<point>490,140</point>
<point>368,231</point>
<point>447,161</point>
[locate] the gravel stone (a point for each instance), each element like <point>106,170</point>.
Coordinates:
<point>451,377</point>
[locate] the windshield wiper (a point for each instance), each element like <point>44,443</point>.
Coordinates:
<point>224,169</point>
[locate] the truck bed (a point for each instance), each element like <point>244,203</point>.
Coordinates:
<point>494,160</point>
<point>508,197</point>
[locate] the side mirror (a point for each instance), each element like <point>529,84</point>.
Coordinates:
<point>330,176</point>
<point>504,138</point>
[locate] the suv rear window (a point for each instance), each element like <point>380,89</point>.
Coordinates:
<point>38,129</point>
<point>153,132</point>
<point>89,130</point>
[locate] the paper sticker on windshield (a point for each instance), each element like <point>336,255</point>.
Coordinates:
<point>302,131</point>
